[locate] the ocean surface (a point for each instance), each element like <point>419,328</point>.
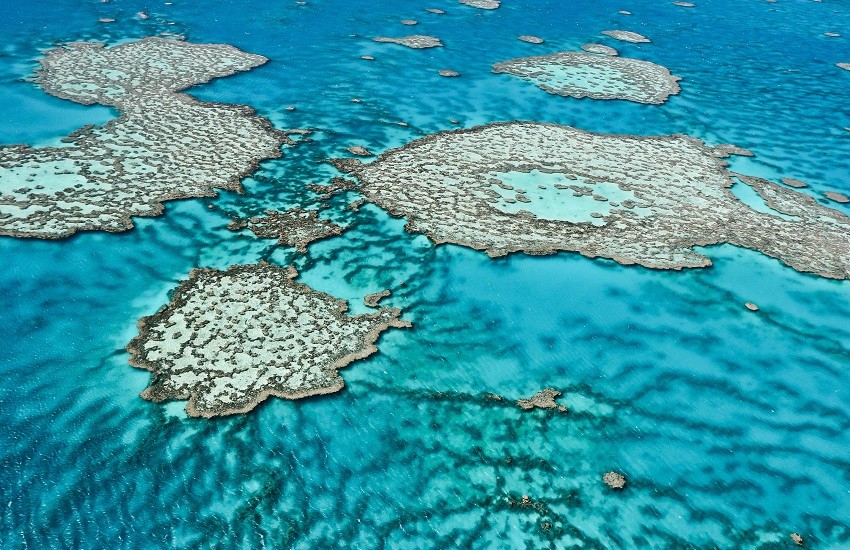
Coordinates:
<point>732,428</point>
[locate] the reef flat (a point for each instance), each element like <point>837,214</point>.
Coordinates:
<point>229,339</point>
<point>541,188</point>
<point>165,145</point>
<point>580,74</point>
<point>296,227</point>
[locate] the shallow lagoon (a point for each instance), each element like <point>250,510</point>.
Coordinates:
<point>548,197</point>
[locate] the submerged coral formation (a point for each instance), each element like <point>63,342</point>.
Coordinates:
<point>359,150</point>
<point>296,227</point>
<point>415,41</point>
<point>482,4</point>
<point>581,74</point>
<point>793,182</point>
<point>229,339</point>
<point>600,49</point>
<point>374,299</point>
<point>614,480</point>
<point>337,185</point>
<point>541,188</point>
<point>165,145</point>
<point>544,399</point>
<point>531,39</point>
<point>837,197</point>
<point>627,36</point>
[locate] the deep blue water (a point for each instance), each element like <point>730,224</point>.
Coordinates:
<point>732,428</point>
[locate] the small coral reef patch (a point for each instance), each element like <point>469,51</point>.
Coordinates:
<point>229,339</point>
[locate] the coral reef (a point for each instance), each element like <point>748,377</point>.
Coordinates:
<point>580,74</point>
<point>647,200</point>
<point>482,4</point>
<point>544,399</point>
<point>374,299</point>
<point>627,36</point>
<point>614,480</point>
<point>165,145</point>
<point>415,41</point>
<point>600,49</point>
<point>296,227</point>
<point>229,339</point>
<point>837,197</point>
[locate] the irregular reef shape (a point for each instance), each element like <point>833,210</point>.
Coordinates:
<point>415,41</point>
<point>481,4</point>
<point>165,145</point>
<point>540,188</point>
<point>337,185</point>
<point>544,399</point>
<point>374,299</point>
<point>614,480</point>
<point>727,149</point>
<point>627,36</point>
<point>229,339</point>
<point>580,74</point>
<point>297,227</point>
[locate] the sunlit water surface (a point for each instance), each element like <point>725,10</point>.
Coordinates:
<point>733,428</point>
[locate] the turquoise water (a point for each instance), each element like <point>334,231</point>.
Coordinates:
<point>732,427</point>
<point>546,196</point>
<point>748,196</point>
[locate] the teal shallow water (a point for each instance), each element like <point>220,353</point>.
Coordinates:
<point>732,427</point>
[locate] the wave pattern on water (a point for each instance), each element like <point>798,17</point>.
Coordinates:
<point>731,426</point>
